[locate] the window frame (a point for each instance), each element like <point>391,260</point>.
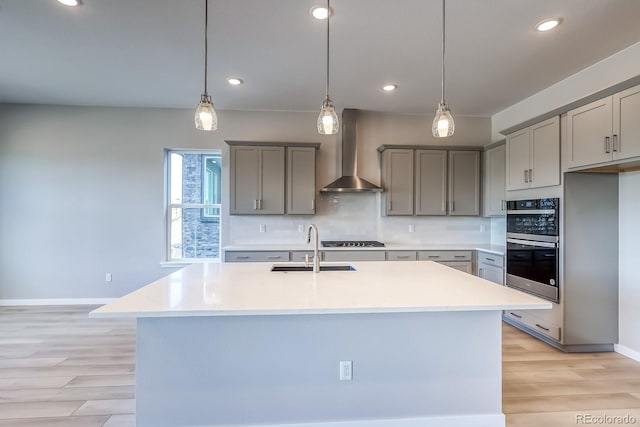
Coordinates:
<point>170,206</point>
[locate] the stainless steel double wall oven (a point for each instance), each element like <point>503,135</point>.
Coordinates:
<point>532,247</point>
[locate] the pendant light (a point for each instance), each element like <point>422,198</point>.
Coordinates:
<point>443,124</point>
<point>328,119</point>
<point>206,117</point>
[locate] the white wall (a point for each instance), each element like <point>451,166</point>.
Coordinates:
<point>82,191</point>
<point>629,276</point>
<point>615,69</point>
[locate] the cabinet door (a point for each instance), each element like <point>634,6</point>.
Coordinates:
<point>493,274</point>
<point>244,180</point>
<point>397,181</point>
<point>271,200</point>
<point>495,175</point>
<point>431,182</point>
<point>589,130</point>
<point>518,160</point>
<point>464,183</point>
<point>545,153</point>
<point>626,124</point>
<point>301,180</point>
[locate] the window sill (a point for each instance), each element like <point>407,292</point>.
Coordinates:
<point>186,262</point>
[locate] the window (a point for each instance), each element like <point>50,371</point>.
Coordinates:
<point>194,205</point>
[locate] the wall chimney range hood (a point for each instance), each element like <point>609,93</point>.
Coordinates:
<point>350,182</point>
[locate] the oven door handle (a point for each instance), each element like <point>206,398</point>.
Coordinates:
<point>531,212</point>
<point>532,243</point>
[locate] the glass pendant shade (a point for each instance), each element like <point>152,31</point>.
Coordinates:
<point>206,117</point>
<point>443,124</point>
<point>328,123</point>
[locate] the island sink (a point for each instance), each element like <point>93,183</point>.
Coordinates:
<point>287,268</point>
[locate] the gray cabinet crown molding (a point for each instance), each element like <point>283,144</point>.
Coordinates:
<point>634,81</point>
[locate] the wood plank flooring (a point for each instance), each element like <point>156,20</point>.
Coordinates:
<point>58,368</point>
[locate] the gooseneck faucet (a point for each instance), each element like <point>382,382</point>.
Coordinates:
<point>316,258</point>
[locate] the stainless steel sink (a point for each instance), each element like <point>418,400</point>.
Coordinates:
<point>287,268</point>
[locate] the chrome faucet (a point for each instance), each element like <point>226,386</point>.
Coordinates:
<point>316,258</point>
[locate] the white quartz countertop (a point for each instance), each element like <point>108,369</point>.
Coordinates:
<point>484,247</point>
<point>232,289</point>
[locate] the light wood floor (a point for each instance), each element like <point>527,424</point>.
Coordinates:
<point>58,368</point>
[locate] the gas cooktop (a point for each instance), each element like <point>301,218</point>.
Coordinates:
<point>351,244</point>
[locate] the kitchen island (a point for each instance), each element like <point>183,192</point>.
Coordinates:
<point>224,344</point>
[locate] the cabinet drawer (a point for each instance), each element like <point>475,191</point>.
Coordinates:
<point>299,255</point>
<point>401,255</point>
<point>354,256</point>
<point>490,259</point>
<point>465,266</point>
<point>532,322</point>
<point>260,256</point>
<point>445,255</point>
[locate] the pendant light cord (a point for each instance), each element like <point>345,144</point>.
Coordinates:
<point>328,16</point>
<point>206,27</point>
<point>443,48</point>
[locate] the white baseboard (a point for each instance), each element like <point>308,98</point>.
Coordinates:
<point>56,301</point>
<point>482,420</point>
<point>626,351</point>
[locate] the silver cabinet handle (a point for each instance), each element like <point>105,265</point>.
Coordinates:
<point>515,315</point>
<point>389,205</point>
<point>530,175</point>
<point>490,259</point>
<point>274,257</point>
<point>242,257</point>
<point>260,204</point>
<point>615,143</point>
<point>313,204</point>
<point>403,257</point>
<point>451,206</point>
<point>480,270</point>
<point>459,256</point>
<point>526,175</point>
<point>255,204</point>
<point>542,327</point>
<point>433,256</point>
<point>607,148</point>
<point>503,205</point>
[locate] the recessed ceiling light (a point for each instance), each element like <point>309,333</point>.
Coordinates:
<point>320,12</point>
<point>389,87</point>
<point>70,2</point>
<point>234,81</point>
<point>548,24</point>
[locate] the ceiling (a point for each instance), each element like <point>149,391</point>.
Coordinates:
<point>149,53</point>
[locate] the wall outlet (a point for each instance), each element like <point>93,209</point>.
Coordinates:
<point>300,228</point>
<point>412,228</point>
<point>107,277</point>
<point>263,228</point>
<point>346,370</point>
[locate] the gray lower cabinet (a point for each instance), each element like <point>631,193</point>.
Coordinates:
<point>301,180</point>
<point>352,255</point>
<point>401,256</point>
<point>491,267</point>
<point>460,260</point>
<point>300,256</point>
<point>256,256</point>
<point>257,180</point>
<point>420,181</point>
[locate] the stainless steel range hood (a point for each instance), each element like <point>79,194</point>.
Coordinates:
<point>350,182</point>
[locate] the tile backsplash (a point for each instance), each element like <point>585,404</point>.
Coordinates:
<point>357,217</point>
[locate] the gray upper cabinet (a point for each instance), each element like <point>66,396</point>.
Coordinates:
<point>533,156</point>
<point>431,182</point>
<point>301,180</point>
<point>605,131</point>
<point>397,180</point>
<point>494,181</point>
<point>464,183</point>
<point>257,180</point>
